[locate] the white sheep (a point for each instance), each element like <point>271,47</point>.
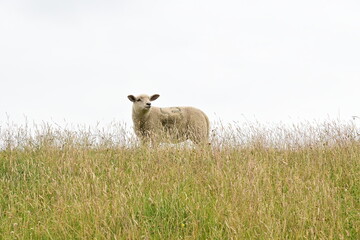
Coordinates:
<point>171,124</point>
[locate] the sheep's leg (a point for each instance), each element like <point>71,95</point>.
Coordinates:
<point>151,140</point>
<point>198,135</point>
<point>199,129</point>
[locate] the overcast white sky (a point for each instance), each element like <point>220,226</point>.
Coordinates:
<point>278,60</point>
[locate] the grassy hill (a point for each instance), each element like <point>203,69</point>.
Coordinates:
<point>301,182</point>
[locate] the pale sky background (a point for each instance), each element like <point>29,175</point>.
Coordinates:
<point>278,60</point>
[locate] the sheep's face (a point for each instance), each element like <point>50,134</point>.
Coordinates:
<point>142,103</point>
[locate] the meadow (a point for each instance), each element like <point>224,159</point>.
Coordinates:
<point>253,182</point>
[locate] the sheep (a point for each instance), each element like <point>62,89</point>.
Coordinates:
<point>155,125</point>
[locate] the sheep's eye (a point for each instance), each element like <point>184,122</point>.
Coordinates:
<point>139,100</point>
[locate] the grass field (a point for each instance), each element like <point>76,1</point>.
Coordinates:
<point>254,182</point>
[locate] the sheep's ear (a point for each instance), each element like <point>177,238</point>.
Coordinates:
<point>154,97</point>
<point>132,98</point>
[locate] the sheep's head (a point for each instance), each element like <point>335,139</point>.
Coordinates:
<point>142,102</point>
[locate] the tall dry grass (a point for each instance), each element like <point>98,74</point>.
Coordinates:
<point>254,182</point>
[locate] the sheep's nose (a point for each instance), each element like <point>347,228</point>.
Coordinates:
<point>148,104</point>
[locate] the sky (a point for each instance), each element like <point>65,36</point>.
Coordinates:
<point>271,61</point>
